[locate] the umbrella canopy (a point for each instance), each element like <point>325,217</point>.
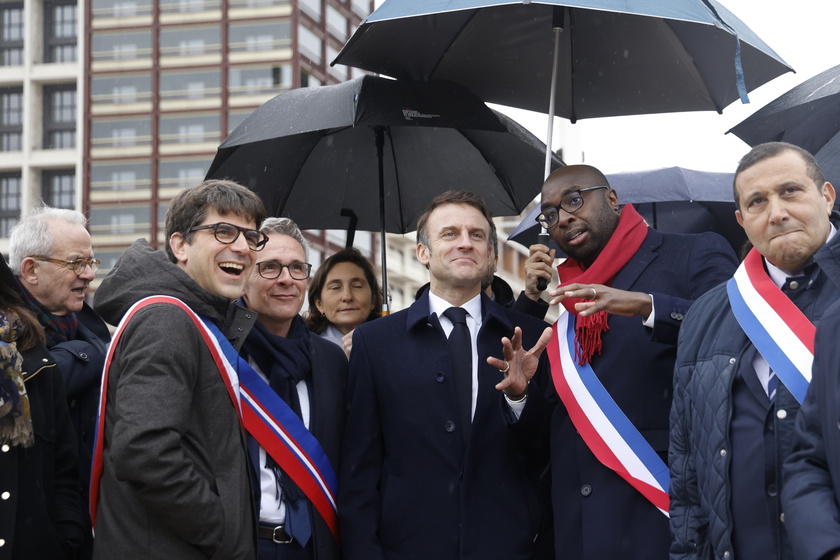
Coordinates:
<point>672,199</point>
<point>381,149</point>
<point>615,57</point>
<point>808,116</point>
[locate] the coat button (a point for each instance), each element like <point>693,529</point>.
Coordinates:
<point>247,315</point>
<point>676,316</point>
<point>723,452</point>
<point>782,517</point>
<point>731,360</point>
<point>585,490</point>
<point>2,542</point>
<point>726,554</point>
<point>5,448</point>
<point>440,377</point>
<point>781,414</point>
<point>449,426</point>
<point>793,285</point>
<point>83,356</point>
<point>45,360</point>
<point>5,495</point>
<point>772,490</point>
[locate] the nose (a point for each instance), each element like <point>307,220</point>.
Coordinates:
<point>88,273</point>
<point>777,209</point>
<point>346,293</point>
<point>240,245</point>
<point>285,276</point>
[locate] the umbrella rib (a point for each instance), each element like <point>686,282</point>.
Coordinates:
<point>451,44</point>
<point>396,179</point>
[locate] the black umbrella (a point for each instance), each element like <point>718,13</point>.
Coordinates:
<point>672,199</point>
<point>381,149</point>
<point>613,57</point>
<point>808,116</point>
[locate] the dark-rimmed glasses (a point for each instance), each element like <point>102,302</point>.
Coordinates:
<point>76,265</point>
<point>228,233</point>
<point>271,270</point>
<point>571,203</point>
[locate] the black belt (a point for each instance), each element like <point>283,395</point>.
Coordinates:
<point>276,533</point>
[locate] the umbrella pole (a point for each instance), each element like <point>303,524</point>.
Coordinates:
<point>543,237</point>
<point>380,144</point>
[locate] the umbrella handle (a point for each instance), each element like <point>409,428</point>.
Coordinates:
<point>542,238</point>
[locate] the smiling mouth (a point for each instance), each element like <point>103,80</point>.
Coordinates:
<point>234,269</point>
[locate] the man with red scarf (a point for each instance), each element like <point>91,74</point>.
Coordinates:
<point>626,287</point>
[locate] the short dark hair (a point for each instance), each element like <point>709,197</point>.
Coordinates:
<point>318,323</point>
<point>772,149</point>
<point>190,207</point>
<point>456,197</point>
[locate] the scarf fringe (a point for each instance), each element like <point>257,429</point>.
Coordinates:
<point>588,331</point>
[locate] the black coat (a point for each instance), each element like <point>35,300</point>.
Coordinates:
<point>41,519</point>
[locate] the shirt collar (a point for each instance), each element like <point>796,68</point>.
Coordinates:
<point>438,305</point>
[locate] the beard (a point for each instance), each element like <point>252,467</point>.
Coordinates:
<point>600,229</point>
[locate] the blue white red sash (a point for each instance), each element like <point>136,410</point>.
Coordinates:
<point>605,429</point>
<point>777,328</point>
<point>262,412</point>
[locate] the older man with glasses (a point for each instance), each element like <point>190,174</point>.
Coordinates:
<point>625,288</point>
<point>171,475</point>
<point>51,254</point>
<point>306,375</point>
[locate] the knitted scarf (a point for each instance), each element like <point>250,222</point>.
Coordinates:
<point>285,362</point>
<point>622,245</point>
<point>57,329</point>
<point>15,417</point>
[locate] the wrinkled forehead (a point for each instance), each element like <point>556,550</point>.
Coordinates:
<point>452,215</point>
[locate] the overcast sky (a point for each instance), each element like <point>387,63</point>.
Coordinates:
<point>802,32</point>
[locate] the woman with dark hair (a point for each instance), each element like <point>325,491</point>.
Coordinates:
<point>343,294</point>
<point>40,515</point>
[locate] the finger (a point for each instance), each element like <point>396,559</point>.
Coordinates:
<point>516,343</point>
<point>543,341</point>
<point>497,363</point>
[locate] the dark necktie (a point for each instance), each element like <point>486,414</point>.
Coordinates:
<point>460,355</point>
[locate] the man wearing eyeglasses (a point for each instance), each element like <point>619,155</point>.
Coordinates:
<point>625,288</point>
<point>171,476</point>
<point>51,254</point>
<point>308,375</point>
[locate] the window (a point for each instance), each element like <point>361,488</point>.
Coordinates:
<point>120,176</point>
<point>259,80</point>
<point>259,36</point>
<point>121,132</point>
<point>59,117</point>
<point>121,219</point>
<point>11,34</point>
<point>308,80</point>
<point>10,193</point>
<point>309,44</point>
<point>11,119</point>
<point>181,173</point>
<point>189,41</point>
<point>60,31</point>
<point>312,8</point>
<point>336,23</point>
<point>121,46</point>
<point>190,85</point>
<point>59,188</point>
<point>120,8</point>
<point>191,128</point>
<point>122,88</point>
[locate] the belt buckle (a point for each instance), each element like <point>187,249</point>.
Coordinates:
<point>284,537</point>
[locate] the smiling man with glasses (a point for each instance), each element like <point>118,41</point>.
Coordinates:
<point>171,470</point>
<point>308,374</point>
<point>625,288</point>
<point>50,251</point>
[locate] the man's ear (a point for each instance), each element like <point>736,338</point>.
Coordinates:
<point>423,254</point>
<point>178,245</point>
<point>739,218</point>
<point>27,271</point>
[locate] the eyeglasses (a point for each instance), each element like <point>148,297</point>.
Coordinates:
<point>273,269</point>
<point>228,233</point>
<point>77,265</point>
<point>570,203</point>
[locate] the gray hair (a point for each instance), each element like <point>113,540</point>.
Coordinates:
<point>31,236</point>
<point>285,226</point>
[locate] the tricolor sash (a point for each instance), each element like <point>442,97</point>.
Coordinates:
<point>605,429</point>
<point>262,412</point>
<point>777,328</point>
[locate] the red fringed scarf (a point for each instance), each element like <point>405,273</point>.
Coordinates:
<point>623,244</point>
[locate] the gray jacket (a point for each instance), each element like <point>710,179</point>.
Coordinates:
<point>176,476</point>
